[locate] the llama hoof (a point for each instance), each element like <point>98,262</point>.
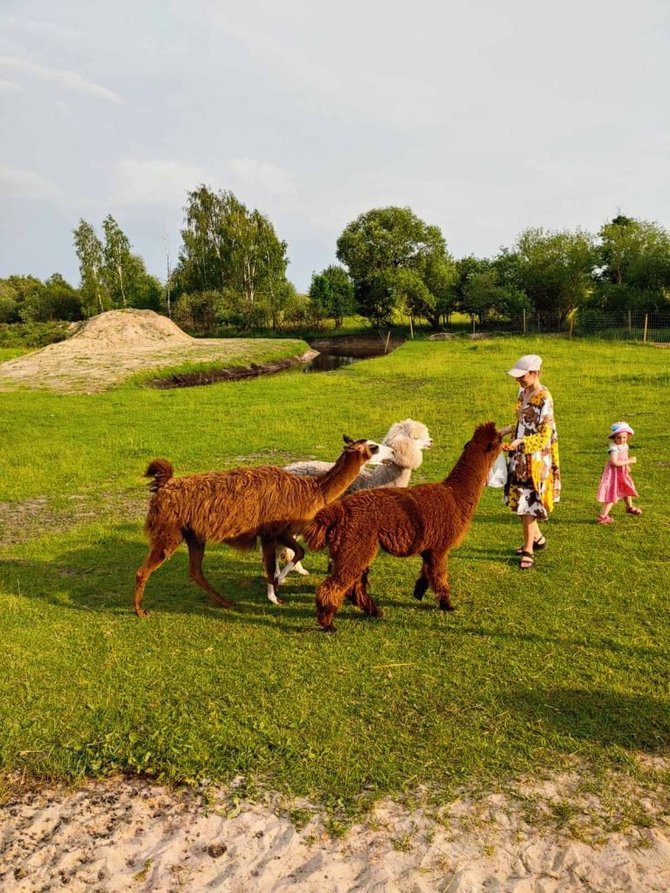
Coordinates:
<point>446,606</point>
<point>328,629</point>
<point>275,600</point>
<point>141,612</point>
<point>299,569</point>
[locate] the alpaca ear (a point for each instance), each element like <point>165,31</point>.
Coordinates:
<point>347,439</point>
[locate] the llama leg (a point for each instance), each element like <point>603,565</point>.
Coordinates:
<point>436,567</point>
<point>196,551</point>
<point>269,550</point>
<point>361,598</point>
<point>287,555</point>
<point>347,569</point>
<point>421,584</point>
<point>329,597</point>
<point>297,554</point>
<point>157,555</point>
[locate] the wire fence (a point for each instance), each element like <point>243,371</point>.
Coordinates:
<point>626,325</point>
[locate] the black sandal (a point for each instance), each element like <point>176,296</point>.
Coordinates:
<point>527,561</point>
<point>538,545</point>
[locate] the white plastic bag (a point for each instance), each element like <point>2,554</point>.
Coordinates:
<point>498,473</point>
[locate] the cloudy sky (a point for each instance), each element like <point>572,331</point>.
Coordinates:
<point>483,117</point>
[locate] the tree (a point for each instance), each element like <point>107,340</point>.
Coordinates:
<point>383,241</point>
<point>227,248</point>
<point>332,292</point>
<point>88,246</point>
<point>117,261</point>
<point>634,265</point>
<point>555,269</point>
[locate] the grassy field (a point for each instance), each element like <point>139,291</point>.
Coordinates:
<point>566,662</point>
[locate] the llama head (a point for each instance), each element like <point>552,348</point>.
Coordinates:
<point>371,453</point>
<point>408,439</point>
<point>487,441</point>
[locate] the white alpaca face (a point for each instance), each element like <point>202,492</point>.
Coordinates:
<point>382,454</point>
<point>408,439</point>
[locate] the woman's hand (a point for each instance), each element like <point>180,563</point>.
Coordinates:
<point>512,445</point>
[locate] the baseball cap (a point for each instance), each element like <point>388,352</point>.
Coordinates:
<point>529,363</point>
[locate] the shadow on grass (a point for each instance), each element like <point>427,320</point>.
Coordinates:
<point>603,717</point>
<point>100,577</point>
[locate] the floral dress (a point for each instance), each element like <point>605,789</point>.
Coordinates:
<point>616,482</point>
<point>534,479</point>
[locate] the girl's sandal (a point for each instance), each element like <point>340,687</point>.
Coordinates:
<point>605,519</point>
<point>526,561</point>
<point>633,510</point>
<point>538,545</point>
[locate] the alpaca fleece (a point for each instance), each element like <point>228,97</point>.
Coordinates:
<point>237,507</point>
<point>426,520</point>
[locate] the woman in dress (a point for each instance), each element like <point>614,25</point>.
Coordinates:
<point>534,482</point>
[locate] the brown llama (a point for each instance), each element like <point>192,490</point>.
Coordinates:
<point>426,520</point>
<point>238,507</point>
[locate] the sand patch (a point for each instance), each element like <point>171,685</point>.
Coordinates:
<point>132,835</point>
<point>115,345</point>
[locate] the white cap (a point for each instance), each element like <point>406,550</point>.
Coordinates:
<point>530,363</point>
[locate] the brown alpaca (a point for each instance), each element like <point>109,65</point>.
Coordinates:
<point>426,520</point>
<point>237,507</point>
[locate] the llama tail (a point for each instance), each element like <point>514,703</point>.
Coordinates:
<point>317,534</point>
<point>161,472</point>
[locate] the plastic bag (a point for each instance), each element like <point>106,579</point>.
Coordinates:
<point>498,474</point>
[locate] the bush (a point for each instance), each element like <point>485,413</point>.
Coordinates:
<point>32,334</point>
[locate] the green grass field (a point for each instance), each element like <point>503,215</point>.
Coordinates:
<point>533,671</point>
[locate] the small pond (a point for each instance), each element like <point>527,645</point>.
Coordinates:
<point>337,352</point>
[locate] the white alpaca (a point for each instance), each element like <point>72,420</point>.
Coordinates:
<point>407,439</point>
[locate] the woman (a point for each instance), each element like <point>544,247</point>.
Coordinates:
<point>534,482</point>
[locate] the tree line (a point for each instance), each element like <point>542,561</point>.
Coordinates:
<point>231,273</point>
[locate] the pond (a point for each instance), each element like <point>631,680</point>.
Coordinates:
<point>337,352</point>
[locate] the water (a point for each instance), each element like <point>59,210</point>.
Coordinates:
<point>337,352</point>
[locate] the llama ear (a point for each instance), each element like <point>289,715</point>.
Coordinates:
<point>347,439</point>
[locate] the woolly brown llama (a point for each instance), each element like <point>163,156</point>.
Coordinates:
<point>426,520</point>
<point>237,507</point>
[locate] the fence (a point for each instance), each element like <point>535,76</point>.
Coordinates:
<point>626,325</point>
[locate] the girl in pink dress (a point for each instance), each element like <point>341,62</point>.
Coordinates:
<point>616,482</point>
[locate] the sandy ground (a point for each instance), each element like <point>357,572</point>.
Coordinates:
<point>115,345</point>
<point>131,835</point>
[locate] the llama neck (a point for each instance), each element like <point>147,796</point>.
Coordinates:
<point>391,476</point>
<point>343,472</point>
<point>466,481</point>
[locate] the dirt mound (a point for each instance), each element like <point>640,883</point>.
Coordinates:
<point>115,345</point>
<point>129,328</point>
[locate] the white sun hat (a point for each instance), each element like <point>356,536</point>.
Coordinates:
<point>530,363</point>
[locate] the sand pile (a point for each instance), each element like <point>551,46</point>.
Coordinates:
<point>117,344</point>
<point>139,329</point>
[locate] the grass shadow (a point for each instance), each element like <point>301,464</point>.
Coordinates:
<point>100,577</point>
<point>603,717</point>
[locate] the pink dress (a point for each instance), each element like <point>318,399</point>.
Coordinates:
<point>616,481</point>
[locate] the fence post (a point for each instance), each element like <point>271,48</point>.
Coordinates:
<point>572,324</point>
<point>646,323</point>
<point>630,323</point>
<point>473,325</point>
<point>524,320</point>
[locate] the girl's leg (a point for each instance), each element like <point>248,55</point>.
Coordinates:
<point>630,508</point>
<point>606,508</point>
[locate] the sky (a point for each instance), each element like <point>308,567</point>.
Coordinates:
<point>483,117</point>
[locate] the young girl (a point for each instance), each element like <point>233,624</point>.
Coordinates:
<point>616,482</point>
